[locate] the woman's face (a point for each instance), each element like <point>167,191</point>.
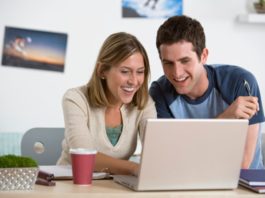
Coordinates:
<point>123,80</point>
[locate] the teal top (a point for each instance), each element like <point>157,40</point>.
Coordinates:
<point>114,134</point>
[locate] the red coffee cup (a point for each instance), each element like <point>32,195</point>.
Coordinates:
<point>83,161</point>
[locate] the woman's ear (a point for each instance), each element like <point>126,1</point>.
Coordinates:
<point>100,72</point>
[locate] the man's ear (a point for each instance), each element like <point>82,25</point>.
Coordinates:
<point>204,55</point>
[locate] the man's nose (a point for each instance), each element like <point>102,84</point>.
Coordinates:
<point>178,70</point>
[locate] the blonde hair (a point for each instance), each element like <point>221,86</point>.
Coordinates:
<point>115,49</point>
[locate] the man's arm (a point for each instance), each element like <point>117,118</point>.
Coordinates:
<point>250,146</point>
<point>244,107</point>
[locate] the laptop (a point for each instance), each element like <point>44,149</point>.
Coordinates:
<point>189,154</point>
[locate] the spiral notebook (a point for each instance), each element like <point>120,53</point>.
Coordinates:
<point>65,172</point>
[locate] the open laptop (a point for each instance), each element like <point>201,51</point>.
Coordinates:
<point>189,154</point>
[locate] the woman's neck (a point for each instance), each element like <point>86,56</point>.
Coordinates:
<point>113,117</point>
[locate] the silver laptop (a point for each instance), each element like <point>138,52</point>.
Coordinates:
<point>189,154</point>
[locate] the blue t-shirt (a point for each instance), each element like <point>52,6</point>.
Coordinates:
<point>226,83</point>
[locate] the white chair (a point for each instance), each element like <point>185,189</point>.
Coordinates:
<point>43,145</point>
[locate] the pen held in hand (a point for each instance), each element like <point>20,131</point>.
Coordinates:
<point>246,85</point>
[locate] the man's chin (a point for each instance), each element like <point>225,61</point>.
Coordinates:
<point>181,91</point>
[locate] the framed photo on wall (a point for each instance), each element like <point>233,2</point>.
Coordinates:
<point>151,8</point>
<point>34,49</point>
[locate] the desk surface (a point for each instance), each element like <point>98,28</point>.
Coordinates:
<point>108,188</point>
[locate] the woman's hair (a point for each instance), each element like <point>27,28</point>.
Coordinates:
<point>181,28</point>
<point>115,49</point>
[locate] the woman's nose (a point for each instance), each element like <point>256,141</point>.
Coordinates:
<point>132,79</point>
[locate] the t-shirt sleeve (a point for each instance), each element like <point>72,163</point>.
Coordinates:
<point>231,83</point>
<point>249,78</point>
<point>161,104</point>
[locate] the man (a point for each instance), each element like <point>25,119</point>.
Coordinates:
<point>192,89</point>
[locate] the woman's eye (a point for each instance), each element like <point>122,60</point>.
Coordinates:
<point>124,71</point>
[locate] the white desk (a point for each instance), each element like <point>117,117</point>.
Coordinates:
<point>110,189</point>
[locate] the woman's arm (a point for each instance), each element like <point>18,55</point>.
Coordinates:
<point>105,163</point>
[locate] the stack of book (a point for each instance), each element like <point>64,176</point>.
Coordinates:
<point>253,179</point>
<point>45,178</point>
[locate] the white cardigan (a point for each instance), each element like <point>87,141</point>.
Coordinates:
<point>85,126</point>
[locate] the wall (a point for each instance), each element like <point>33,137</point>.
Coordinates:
<point>32,98</point>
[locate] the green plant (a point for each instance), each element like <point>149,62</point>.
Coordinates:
<point>262,2</point>
<point>13,161</point>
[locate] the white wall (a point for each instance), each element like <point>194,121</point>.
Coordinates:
<point>32,98</point>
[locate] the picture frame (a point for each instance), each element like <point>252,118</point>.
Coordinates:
<point>28,48</point>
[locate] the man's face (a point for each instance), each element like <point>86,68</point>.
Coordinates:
<point>183,68</point>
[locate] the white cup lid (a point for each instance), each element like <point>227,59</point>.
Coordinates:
<point>82,151</point>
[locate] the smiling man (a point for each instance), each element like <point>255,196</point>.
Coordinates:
<point>192,89</point>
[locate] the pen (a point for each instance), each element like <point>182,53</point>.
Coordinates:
<point>246,84</point>
<point>247,87</point>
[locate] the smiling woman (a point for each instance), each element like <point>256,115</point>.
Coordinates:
<point>110,111</point>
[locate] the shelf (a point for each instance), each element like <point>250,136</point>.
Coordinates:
<point>252,18</point>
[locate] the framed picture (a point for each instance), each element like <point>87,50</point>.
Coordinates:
<point>151,8</point>
<point>34,49</point>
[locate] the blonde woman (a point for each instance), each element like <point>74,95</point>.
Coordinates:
<point>109,112</point>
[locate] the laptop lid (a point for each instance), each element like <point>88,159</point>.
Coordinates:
<point>182,154</point>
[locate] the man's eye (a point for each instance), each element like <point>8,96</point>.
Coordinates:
<point>168,63</point>
<point>185,61</point>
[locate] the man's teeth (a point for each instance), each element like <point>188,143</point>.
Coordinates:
<point>180,79</point>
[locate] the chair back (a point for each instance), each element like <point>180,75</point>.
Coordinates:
<point>43,145</point>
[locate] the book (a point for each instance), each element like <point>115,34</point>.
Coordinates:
<point>45,182</point>
<point>258,189</point>
<point>65,172</point>
<point>252,177</point>
<point>45,175</point>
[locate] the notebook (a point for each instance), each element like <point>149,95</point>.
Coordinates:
<point>258,189</point>
<point>62,172</point>
<point>254,177</point>
<point>189,154</point>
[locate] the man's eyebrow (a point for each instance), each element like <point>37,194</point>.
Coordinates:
<point>166,60</point>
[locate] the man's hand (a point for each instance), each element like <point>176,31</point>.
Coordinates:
<point>244,107</point>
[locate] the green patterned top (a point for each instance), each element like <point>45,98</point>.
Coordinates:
<point>114,134</point>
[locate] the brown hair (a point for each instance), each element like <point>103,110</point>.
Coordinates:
<point>181,28</point>
<point>115,49</point>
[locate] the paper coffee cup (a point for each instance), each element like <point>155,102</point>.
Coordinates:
<point>83,161</point>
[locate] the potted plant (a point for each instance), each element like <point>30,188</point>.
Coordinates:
<point>17,172</point>
<point>260,6</point>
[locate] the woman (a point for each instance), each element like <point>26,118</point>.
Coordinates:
<point>109,112</point>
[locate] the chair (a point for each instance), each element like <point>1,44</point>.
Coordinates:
<point>43,145</point>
